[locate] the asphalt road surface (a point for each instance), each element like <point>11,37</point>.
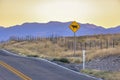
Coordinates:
<point>13,67</point>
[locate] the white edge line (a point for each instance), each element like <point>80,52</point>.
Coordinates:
<point>53,64</point>
<point>12,53</point>
<point>68,69</point>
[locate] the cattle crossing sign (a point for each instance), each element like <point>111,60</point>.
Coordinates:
<point>74,26</point>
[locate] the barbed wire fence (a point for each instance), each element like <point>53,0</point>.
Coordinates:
<point>86,43</point>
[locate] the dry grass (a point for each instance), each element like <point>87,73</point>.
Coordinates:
<point>47,49</point>
<point>105,75</point>
<point>100,53</point>
<point>44,48</point>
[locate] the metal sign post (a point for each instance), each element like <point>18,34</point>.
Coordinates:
<point>74,43</point>
<point>74,26</point>
<point>83,59</point>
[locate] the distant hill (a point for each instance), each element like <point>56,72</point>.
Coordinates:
<point>53,28</point>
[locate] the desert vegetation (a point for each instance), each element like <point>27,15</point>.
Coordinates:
<point>54,46</point>
<point>61,49</point>
<point>105,75</point>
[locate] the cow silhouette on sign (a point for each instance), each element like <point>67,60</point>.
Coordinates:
<point>74,26</point>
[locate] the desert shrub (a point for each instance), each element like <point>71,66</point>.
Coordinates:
<point>32,55</point>
<point>64,60</point>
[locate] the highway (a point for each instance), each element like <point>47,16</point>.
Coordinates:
<point>14,67</point>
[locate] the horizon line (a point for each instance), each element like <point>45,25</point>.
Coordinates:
<point>56,21</point>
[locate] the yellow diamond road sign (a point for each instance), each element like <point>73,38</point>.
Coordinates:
<point>74,26</point>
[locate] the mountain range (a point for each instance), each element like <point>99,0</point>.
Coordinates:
<point>53,28</point>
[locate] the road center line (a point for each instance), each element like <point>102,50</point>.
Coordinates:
<point>15,71</point>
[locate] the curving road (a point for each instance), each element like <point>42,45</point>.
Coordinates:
<point>14,67</point>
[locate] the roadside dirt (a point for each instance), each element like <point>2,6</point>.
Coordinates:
<point>109,63</point>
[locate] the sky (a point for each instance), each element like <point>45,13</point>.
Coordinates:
<point>104,13</point>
